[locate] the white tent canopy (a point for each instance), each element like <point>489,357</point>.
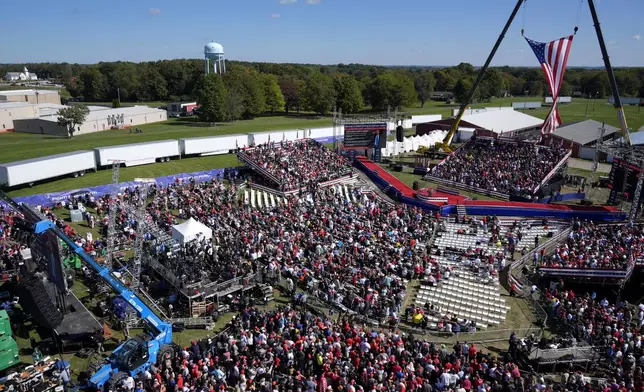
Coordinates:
<point>190,230</point>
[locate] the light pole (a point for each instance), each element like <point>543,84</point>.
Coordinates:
<point>594,99</point>
<point>587,101</point>
<point>525,100</point>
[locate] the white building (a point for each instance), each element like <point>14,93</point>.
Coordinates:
<point>99,119</point>
<point>25,75</point>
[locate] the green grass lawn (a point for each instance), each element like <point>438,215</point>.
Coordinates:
<point>17,146</point>
<point>598,110</point>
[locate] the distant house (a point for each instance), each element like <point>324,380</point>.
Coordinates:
<point>25,75</point>
<point>442,96</point>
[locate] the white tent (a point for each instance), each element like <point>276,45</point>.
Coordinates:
<point>190,230</point>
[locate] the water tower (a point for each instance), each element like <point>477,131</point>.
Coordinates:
<point>214,53</point>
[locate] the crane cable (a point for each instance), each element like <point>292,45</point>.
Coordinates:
<point>523,17</point>
<point>581,4</point>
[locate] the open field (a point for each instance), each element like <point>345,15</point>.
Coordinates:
<point>16,146</point>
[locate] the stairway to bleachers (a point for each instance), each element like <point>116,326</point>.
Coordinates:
<point>257,198</point>
<point>466,296</point>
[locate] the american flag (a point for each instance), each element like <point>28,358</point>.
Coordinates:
<point>553,57</point>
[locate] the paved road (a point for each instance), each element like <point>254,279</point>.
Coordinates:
<point>586,165</point>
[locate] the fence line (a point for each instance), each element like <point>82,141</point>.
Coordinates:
<point>516,276</point>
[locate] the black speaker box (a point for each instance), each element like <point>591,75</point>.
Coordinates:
<point>35,300</point>
<point>400,133</point>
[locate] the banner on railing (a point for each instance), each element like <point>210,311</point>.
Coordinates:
<point>585,273</point>
<point>553,171</point>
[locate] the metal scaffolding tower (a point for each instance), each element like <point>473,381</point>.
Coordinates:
<point>340,120</point>
<point>112,211</point>
<point>633,155</point>
<point>600,136</point>
<point>141,228</point>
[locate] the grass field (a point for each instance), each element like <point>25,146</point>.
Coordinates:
<point>16,146</point>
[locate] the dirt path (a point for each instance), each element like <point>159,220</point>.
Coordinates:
<point>586,165</point>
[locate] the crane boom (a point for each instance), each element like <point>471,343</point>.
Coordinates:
<point>611,75</point>
<point>479,78</point>
<point>105,273</point>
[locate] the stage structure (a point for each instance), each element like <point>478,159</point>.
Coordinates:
<point>627,163</point>
<point>363,132</point>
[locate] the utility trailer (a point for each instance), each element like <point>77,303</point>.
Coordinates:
<point>138,153</point>
<point>30,171</point>
<point>212,145</point>
<point>257,138</point>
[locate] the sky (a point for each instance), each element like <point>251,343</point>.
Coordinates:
<point>380,32</point>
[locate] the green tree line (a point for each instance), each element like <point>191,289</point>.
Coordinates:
<point>249,89</point>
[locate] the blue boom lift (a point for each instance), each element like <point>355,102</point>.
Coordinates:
<point>136,354</point>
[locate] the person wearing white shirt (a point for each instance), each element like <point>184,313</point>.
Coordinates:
<point>129,383</point>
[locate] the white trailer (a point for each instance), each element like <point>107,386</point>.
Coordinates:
<point>423,118</point>
<point>30,171</point>
<point>138,153</point>
<point>295,134</point>
<point>257,138</point>
<point>323,133</point>
<point>559,100</point>
<point>212,145</point>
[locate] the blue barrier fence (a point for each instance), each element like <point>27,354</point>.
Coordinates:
<point>496,210</point>
<point>49,199</point>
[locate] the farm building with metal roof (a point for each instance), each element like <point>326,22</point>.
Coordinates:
<point>581,137</point>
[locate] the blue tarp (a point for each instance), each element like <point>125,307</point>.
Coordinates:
<point>49,199</point>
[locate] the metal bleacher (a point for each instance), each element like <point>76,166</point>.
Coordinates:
<point>468,297</point>
<point>466,294</point>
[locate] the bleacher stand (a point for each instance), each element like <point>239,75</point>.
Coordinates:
<point>463,287</point>
<point>298,164</point>
<point>506,168</point>
<point>595,246</point>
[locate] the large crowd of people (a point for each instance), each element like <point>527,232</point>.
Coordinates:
<point>506,168</point>
<point>291,350</point>
<point>355,255</point>
<point>298,164</point>
<point>616,328</point>
<point>597,246</point>
<point>358,256</point>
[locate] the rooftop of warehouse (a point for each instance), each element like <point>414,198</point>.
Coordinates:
<point>583,132</point>
<point>101,112</point>
<point>9,104</point>
<point>27,92</point>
